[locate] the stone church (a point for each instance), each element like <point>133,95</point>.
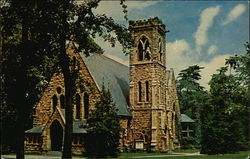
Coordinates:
<point>144,94</point>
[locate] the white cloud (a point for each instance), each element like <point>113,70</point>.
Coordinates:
<point>212,49</point>
<point>113,8</point>
<point>179,55</point>
<point>206,21</point>
<point>210,68</point>
<point>177,47</point>
<point>234,13</point>
<point>110,8</point>
<point>139,4</point>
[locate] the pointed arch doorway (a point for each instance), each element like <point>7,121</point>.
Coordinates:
<point>56,136</point>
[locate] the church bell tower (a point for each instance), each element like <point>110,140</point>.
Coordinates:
<point>148,85</point>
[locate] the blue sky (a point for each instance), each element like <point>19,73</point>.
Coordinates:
<point>201,32</point>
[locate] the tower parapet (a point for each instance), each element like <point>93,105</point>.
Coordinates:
<point>148,23</point>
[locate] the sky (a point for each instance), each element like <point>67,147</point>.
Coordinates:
<point>201,32</point>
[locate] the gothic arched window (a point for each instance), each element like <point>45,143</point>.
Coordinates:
<point>74,61</point>
<point>59,90</point>
<point>160,46</point>
<point>147,51</point>
<point>140,51</point>
<point>86,105</point>
<point>62,101</point>
<point>160,49</point>
<point>140,91</point>
<point>147,91</point>
<point>173,117</point>
<point>144,51</point>
<point>54,100</point>
<point>146,138</point>
<point>78,106</point>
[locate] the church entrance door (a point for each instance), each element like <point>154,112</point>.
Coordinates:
<point>56,136</point>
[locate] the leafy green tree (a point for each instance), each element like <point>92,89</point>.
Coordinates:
<point>239,66</point>
<point>225,114</point>
<point>222,129</point>
<point>26,62</point>
<point>103,128</point>
<point>52,25</point>
<point>191,96</point>
<point>188,87</point>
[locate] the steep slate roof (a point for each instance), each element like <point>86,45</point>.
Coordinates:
<point>114,75</point>
<point>35,130</point>
<point>186,119</point>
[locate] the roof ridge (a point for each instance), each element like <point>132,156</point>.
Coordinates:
<point>114,60</point>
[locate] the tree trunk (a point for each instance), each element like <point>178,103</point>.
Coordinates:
<point>21,99</point>
<point>20,134</point>
<point>68,84</point>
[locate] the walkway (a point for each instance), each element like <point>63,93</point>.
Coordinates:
<point>59,157</point>
<point>173,154</point>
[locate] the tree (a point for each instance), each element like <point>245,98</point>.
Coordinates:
<point>225,114</point>
<point>103,128</point>
<point>239,66</point>
<point>191,96</point>
<point>189,89</point>
<point>53,25</point>
<point>26,62</point>
<point>222,129</point>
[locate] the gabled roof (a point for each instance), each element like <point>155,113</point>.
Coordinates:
<point>35,130</point>
<point>186,119</point>
<point>78,127</point>
<point>114,75</point>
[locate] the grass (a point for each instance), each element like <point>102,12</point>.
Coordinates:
<point>241,155</point>
<point>186,150</point>
<point>143,155</point>
<point>129,155</point>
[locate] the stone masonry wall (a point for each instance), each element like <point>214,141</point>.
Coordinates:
<point>45,115</point>
<point>43,110</point>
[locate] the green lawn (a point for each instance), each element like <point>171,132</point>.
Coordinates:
<point>186,150</point>
<point>144,155</point>
<point>241,155</point>
<point>129,155</point>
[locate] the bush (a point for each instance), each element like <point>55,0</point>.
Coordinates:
<point>189,143</point>
<point>103,129</point>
